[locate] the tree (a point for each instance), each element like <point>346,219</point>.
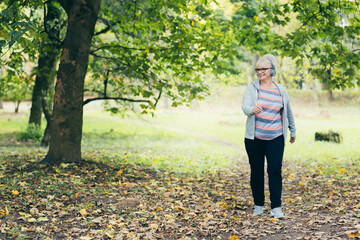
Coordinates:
<point>152,49</point>
<point>328,36</point>
<point>17,47</point>
<point>48,53</point>
<point>65,143</point>
<point>15,88</point>
<point>156,47</point>
<point>144,58</point>
<point>45,71</point>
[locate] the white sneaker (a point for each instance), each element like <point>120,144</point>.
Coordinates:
<point>258,210</point>
<point>277,213</point>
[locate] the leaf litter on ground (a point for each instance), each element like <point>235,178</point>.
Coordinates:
<point>98,199</point>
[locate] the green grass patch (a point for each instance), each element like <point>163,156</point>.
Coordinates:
<point>207,137</point>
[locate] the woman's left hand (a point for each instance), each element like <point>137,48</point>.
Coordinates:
<point>292,140</point>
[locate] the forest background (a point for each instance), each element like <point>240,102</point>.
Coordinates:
<point>142,102</point>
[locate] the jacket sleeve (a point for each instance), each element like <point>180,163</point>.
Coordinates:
<point>290,117</point>
<point>247,105</point>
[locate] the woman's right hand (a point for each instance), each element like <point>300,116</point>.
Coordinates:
<point>257,109</point>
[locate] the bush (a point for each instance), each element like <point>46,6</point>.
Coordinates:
<point>330,136</point>
<point>32,132</point>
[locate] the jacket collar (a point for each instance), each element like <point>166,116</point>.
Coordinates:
<point>281,87</point>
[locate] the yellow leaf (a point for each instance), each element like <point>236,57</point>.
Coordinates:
<point>147,51</point>
<point>234,237</point>
<point>15,192</point>
<point>301,183</point>
<point>354,234</point>
<point>156,159</point>
<point>119,172</point>
<point>77,194</point>
<point>192,23</point>
<point>256,18</point>
<point>273,219</point>
<point>342,170</point>
<point>110,226</point>
<point>98,170</point>
<point>125,193</point>
<point>57,170</point>
<point>84,212</point>
<point>6,211</point>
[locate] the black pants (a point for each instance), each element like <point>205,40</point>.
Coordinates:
<point>273,150</point>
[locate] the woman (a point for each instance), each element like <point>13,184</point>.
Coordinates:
<point>269,115</point>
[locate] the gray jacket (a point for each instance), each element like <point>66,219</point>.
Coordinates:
<point>249,101</point>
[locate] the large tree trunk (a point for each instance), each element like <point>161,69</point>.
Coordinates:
<point>66,128</point>
<point>1,104</point>
<point>45,72</point>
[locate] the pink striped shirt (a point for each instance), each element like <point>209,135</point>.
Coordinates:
<point>268,124</point>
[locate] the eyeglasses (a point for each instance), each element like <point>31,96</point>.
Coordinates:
<point>261,69</point>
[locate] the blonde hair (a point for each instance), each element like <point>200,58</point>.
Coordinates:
<point>270,59</point>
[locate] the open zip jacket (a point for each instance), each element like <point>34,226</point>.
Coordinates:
<point>249,101</point>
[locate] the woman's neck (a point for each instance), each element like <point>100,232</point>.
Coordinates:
<point>267,82</point>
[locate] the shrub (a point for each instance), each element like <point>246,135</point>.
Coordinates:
<point>32,132</point>
<point>330,136</point>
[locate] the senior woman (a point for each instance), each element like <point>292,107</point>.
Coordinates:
<point>269,115</point>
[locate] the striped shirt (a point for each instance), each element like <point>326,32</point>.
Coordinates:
<point>268,124</point>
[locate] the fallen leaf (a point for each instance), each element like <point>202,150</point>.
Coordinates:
<point>98,220</point>
<point>84,212</point>
<point>6,211</point>
<point>15,192</point>
<point>354,234</point>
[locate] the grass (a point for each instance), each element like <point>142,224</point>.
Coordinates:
<point>207,138</point>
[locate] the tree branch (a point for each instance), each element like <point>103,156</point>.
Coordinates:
<point>49,34</point>
<point>66,4</point>
<point>108,26</point>
<point>320,7</point>
<point>106,82</point>
<point>308,20</point>
<point>113,98</point>
<point>158,98</point>
<point>135,49</point>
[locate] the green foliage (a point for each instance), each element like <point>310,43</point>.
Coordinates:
<point>15,88</point>
<point>156,49</point>
<point>32,132</point>
<point>327,36</point>
<point>145,50</point>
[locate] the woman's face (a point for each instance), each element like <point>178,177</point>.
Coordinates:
<point>264,74</point>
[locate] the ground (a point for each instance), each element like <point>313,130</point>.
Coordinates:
<point>119,200</point>
<point>181,175</point>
